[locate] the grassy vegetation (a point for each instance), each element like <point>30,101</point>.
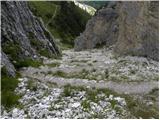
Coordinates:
<point>8,85</point>
<point>43,9</point>
<point>136,107</point>
<point>35,42</point>
<point>53,64</point>
<point>83,74</point>
<point>12,49</point>
<point>27,62</point>
<point>139,109</point>
<point>59,74</point>
<point>45,52</point>
<point>69,20</point>
<point>38,45</point>
<point>31,85</point>
<point>67,91</point>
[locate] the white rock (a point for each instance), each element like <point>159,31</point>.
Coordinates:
<point>150,103</point>
<point>110,97</point>
<point>15,110</point>
<point>67,110</point>
<point>20,79</point>
<point>75,105</point>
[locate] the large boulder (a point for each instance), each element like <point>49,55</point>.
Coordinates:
<point>132,27</point>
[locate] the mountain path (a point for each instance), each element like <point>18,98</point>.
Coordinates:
<point>105,60</point>
<point>54,14</point>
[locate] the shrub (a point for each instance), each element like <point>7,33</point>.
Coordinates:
<point>31,85</point>
<point>8,85</point>
<point>35,42</point>
<point>67,90</point>
<point>85,104</point>
<point>9,99</point>
<point>11,49</point>
<point>91,94</point>
<point>45,52</point>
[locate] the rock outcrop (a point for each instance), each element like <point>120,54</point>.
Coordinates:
<point>23,34</point>
<point>132,27</point>
<point>9,66</point>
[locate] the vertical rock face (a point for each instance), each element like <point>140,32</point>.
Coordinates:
<point>131,26</point>
<point>23,35</point>
<point>6,62</point>
<point>101,29</point>
<point>138,29</point>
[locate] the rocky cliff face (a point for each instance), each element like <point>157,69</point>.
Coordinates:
<point>23,35</point>
<point>132,27</point>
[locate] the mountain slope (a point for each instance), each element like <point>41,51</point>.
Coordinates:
<point>69,20</point>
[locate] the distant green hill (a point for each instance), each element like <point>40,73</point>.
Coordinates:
<point>63,19</point>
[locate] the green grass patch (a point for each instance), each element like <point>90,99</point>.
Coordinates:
<point>69,20</point>
<point>113,103</point>
<point>140,109</point>
<point>53,64</point>
<point>67,91</point>
<point>35,42</point>
<point>92,95</point>
<point>60,74</point>
<point>27,62</point>
<point>81,74</point>
<point>8,85</point>
<point>45,52</point>
<point>42,9</point>
<point>12,49</point>
<point>136,107</point>
<point>32,85</point>
<point>85,104</point>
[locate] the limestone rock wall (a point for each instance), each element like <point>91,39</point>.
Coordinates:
<point>23,33</point>
<point>131,26</point>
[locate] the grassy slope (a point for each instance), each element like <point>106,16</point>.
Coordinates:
<point>68,22</point>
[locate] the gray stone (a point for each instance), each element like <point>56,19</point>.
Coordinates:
<point>132,27</point>
<point>20,27</point>
<point>7,64</point>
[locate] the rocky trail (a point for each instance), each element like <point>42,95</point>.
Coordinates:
<point>86,84</point>
<point>92,65</point>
